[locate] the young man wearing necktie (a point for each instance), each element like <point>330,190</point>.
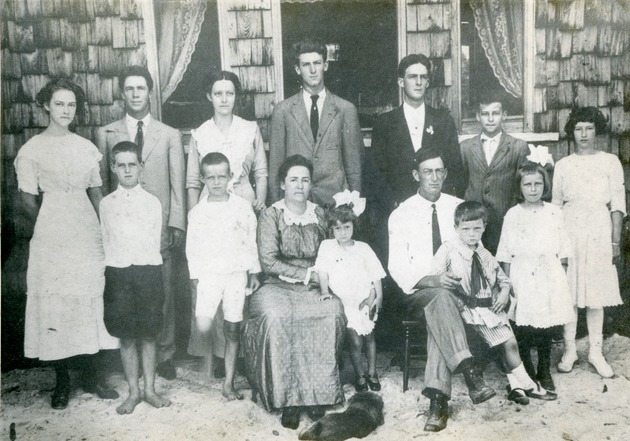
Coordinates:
<point>417,228</point>
<point>163,176</point>
<point>491,160</point>
<point>318,125</point>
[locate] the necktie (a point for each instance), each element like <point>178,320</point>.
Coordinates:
<point>314,116</point>
<point>477,279</point>
<point>488,147</point>
<point>435,230</point>
<point>140,136</point>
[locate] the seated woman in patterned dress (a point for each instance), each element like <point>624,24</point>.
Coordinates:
<point>292,336</point>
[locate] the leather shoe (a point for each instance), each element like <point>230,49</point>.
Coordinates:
<point>315,412</point>
<point>536,394</point>
<point>290,417</point>
<point>438,414</point>
<point>518,395</point>
<point>361,387</point>
<point>545,379</point>
<point>372,381</point>
<point>166,370</point>
<point>60,397</point>
<point>478,390</point>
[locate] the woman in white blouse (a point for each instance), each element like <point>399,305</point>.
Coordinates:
<point>236,138</point>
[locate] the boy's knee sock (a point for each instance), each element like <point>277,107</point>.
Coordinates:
<point>232,330</point>
<point>519,379</point>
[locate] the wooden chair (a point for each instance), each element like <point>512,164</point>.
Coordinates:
<point>414,333</point>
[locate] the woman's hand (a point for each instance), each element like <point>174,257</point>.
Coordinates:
<point>253,284</point>
<point>616,253</point>
<point>258,206</point>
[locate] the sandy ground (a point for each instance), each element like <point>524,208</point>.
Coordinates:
<point>588,408</point>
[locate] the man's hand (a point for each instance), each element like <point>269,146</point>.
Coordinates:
<point>253,283</point>
<point>258,206</point>
<point>176,237</point>
<point>449,280</point>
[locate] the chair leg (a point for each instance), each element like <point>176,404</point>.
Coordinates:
<point>406,361</point>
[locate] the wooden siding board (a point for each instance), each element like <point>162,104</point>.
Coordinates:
<point>540,36</point>
<point>249,24</point>
<point>585,40</point>
<point>552,71</point>
<point>34,8</point>
<point>34,63</point>
<point>38,115</point>
<point>615,93</point>
<point>11,67</point>
<point>12,92</point>
<point>59,62</point>
<point>110,60</point>
<point>558,43</point>
<point>598,12</point>
<point>571,15</point>
<point>565,94</point>
<point>78,11</point>
<point>20,37</point>
<point>47,33</point>
<point>130,9</point>
<point>545,13</point>
<point>540,74</point>
<point>92,59</point>
<point>418,42</point>
<point>412,18</point>
<point>132,34</point>
<point>70,35</point>
<point>267,20</point>
<point>92,91</point>
<point>440,45</point>
<point>103,30</point>
<point>135,56</point>
<point>619,120</point>
<point>232,26</point>
<point>430,17</point>
<point>118,33</point>
<point>540,99</point>
<point>105,8</point>
<point>31,84</point>
<point>263,104</point>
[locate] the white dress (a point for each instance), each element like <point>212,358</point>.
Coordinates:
<point>65,276</point>
<point>351,271</point>
<point>533,242</point>
<point>589,188</point>
<point>243,146</point>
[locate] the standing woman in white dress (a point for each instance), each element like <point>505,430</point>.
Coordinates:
<point>65,276</point>
<point>589,187</point>
<point>241,142</point>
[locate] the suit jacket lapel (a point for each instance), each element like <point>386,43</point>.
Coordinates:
<point>120,132</point>
<point>329,111</point>
<point>299,113</point>
<point>478,153</point>
<point>404,135</point>
<point>502,150</point>
<point>151,138</point>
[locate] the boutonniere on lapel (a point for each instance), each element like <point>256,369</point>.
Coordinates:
<point>430,130</point>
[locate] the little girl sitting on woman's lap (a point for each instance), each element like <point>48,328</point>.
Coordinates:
<point>353,272</point>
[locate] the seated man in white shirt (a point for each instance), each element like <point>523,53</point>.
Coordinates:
<point>424,219</point>
<point>131,224</point>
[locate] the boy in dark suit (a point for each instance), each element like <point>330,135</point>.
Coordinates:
<point>491,160</point>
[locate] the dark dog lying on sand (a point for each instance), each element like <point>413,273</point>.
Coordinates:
<point>363,415</point>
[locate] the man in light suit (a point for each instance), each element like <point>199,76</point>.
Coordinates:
<point>319,126</point>
<point>399,134</point>
<point>491,160</point>
<point>163,177</point>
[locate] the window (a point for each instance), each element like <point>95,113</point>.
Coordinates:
<point>365,33</point>
<point>512,58</point>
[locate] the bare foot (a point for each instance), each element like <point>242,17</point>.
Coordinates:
<point>156,400</point>
<point>129,405</point>
<point>231,394</point>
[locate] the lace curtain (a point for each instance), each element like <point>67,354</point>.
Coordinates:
<point>178,25</point>
<point>500,27</point>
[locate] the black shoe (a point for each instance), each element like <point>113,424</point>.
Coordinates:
<point>518,395</point>
<point>538,395</point>
<point>361,387</point>
<point>478,390</point>
<point>101,391</point>
<point>438,414</point>
<point>166,370</point>
<point>315,412</point>
<point>545,379</point>
<point>290,417</point>
<point>60,397</point>
<point>372,381</point>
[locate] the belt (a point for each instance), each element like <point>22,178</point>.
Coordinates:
<point>472,302</point>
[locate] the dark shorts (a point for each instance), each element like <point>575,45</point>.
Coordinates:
<point>134,297</point>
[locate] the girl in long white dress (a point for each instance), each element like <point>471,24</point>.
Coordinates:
<point>589,187</point>
<point>65,277</point>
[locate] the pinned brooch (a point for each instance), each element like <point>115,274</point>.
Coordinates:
<point>351,198</point>
<point>540,155</point>
<point>430,130</point>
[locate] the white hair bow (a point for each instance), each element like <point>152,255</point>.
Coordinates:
<point>540,154</point>
<point>350,197</point>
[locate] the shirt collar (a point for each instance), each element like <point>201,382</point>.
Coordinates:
<point>133,122</point>
<point>409,110</point>
<point>496,137</point>
<point>466,252</point>
<point>129,191</point>
<point>422,201</point>
<point>307,96</point>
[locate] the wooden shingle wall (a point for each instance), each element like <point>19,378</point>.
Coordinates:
<point>249,31</point>
<point>88,41</point>
<point>582,59</point>
<point>429,33</point>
